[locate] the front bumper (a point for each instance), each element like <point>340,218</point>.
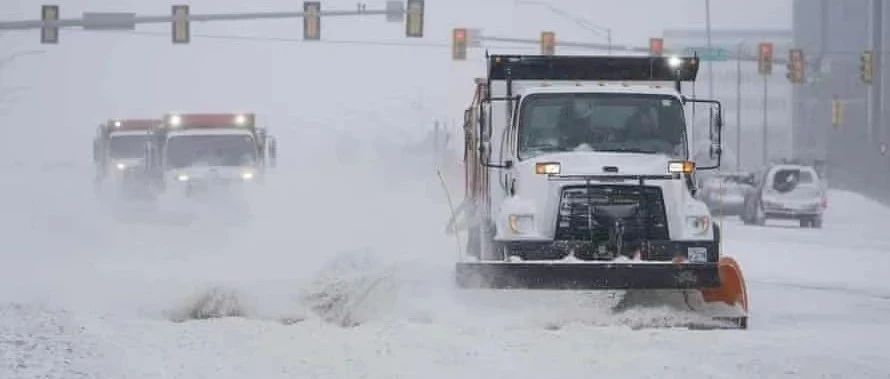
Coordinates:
<point>791,213</point>
<point>654,251</point>
<point>579,276</point>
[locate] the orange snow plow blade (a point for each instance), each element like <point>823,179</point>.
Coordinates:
<point>732,290</point>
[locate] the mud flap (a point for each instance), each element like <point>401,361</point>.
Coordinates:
<point>586,276</point>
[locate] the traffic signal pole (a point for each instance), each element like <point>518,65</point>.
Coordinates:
<point>765,120</point>
<point>738,109</point>
<point>875,95</point>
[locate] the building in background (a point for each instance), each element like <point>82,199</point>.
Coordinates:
<point>838,117</point>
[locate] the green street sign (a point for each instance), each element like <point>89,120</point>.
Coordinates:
<point>714,54</point>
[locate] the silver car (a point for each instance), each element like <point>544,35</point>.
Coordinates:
<point>787,191</point>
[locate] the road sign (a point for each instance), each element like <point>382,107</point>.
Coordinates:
<point>109,21</point>
<point>705,54</point>
<point>765,58</point>
<point>181,32</point>
<point>49,35</point>
<point>311,20</point>
<point>395,11</point>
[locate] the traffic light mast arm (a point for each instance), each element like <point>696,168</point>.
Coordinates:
<point>74,22</point>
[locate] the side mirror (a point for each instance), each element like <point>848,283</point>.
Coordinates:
<point>715,132</point>
<point>272,150</point>
<point>468,118</point>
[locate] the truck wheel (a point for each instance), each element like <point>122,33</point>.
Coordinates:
<point>817,222</point>
<point>759,215</point>
<point>473,243</point>
<point>806,222</point>
<point>746,215</point>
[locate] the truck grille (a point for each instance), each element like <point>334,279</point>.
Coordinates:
<point>589,214</point>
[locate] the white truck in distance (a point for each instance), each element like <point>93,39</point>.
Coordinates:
<point>119,153</point>
<point>578,177</point>
<point>194,153</point>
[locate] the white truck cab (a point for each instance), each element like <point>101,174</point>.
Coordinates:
<point>587,160</point>
<point>119,147</point>
<point>195,152</point>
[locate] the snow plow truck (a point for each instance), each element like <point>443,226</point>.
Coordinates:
<point>195,153</point>
<point>579,177</point>
<point>119,150</point>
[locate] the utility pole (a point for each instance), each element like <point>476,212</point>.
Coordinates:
<point>765,120</point>
<point>875,95</point>
<point>738,108</point>
<point>710,64</point>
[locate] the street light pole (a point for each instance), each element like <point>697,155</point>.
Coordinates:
<point>710,64</point>
<point>738,109</point>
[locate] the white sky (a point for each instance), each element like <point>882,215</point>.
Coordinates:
<point>90,77</point>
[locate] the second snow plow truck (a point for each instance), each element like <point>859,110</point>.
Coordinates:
<point>578,176</point>
<point>196,153</point>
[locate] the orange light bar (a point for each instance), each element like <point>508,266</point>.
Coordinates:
<point>212,120</point>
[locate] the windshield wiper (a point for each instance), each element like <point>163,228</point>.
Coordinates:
<point>544,148</point>
<point>627,150</point>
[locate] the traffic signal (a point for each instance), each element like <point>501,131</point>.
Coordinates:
<point>311,20</point>
<point>765,58</point>
<point>796,66</point>
<point>414,22</point>
<point>867,67</point>
<point>548,43</point>
<point>49,34</point>
<point>459,44</point>
<point>656,47</point>
<point>181,32</point>
<point>837,112</point>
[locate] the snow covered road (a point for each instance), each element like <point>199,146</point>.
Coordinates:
<point>96,301</point>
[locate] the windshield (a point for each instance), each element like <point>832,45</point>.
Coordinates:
<point>123,147</point>
<point>224,150</point>
<point>602,122</point>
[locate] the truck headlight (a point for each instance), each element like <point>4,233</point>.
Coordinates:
<point>698,225</point>
<point>522,224</point>
<point>681,167</point>
<point>548,168</point>
<point>247,175</point>
<point>121,166</point>
<point>182,177</point>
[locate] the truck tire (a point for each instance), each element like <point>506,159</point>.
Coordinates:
<point>474,244</point>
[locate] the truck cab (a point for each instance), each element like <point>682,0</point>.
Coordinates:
<point>588,159</point>
<point>197,152</point>
<point>119,147</point>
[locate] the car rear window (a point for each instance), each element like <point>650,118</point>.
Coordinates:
<point>786,180</point>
